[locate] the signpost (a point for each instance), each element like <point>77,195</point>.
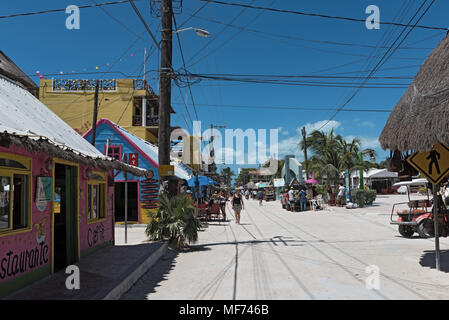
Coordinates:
<point>166,170</point>
<point>434,165</point>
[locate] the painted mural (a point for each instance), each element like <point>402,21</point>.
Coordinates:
<point>30,248</point>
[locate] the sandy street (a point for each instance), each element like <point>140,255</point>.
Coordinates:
<point>276,254</point>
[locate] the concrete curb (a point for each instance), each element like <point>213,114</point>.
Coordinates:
<point>129,281</point>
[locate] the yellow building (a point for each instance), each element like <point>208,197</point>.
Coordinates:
<point>120,100</point>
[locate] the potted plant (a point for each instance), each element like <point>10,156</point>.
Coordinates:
<point>174,222</point>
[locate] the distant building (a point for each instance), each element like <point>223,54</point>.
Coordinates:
<point>292,171</point>
<point>380,180</point>
<point>130,103</point>
<point>143,192</point>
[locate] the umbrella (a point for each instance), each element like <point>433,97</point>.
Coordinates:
<point>202,181</point>
<point>211,181</point>
<point>313,180</point>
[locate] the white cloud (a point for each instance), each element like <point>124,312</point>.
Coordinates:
<point>366,124</point>
<point>367,142</point>
<point>329,125</point>
<point>283,131</point>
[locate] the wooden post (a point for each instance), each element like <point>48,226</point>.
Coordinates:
<point>94,121</point>
<point>436,231</point>
<point>304,134</point>
<point>165,84</point>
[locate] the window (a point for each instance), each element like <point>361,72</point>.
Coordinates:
<point>15,195</point>
<point>115,152</point>
<point>96,197</point>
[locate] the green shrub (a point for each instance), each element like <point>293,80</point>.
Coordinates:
<point>358,196</point>
<point>321,189</point>
<point>363,197</point>
<point>175,221</point>
<point>370,196</point>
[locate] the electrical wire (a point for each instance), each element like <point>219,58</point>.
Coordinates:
<point>384,58</point>
<point>184,64</point>
<point>326,42</point>
<point>63,9</point>
<point>120,23</point>
<point>274,108</point>
<point>144,23</point>
<point>319,15</point>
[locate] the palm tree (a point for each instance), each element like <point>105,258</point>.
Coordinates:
<point>174,222</point>
<point>326,158</point>
<point>227,174</point>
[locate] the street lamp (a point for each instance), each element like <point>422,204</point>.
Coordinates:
<point>200,32</point>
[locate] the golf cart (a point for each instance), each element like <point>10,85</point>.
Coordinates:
<point>416,214</point>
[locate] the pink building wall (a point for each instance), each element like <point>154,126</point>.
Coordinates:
<point>31,250</point>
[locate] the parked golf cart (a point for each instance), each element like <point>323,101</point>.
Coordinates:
<point>418,217</point>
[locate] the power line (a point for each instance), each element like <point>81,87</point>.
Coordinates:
<point>327,42</point>
<point>321,76</point>
<point>232,37</point>
<point>184,64</point>
<point>120,23</point>
<point>274,108</point>
<point>208,43</point>
<point>384,58</point>
<point>301,83</point>
<point>322,15</point>
<point>63,10</point>
<point>144,23</point>
<point>193,15</point>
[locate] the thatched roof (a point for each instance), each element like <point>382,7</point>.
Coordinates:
<point>421,118</point>
<point>9,69</point>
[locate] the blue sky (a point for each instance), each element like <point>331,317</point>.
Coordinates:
<point>42,43</point>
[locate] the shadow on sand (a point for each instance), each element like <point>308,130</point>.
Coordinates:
<point>428,260</point>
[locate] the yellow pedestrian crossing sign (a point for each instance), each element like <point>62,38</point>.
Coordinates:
<point>434,165</point>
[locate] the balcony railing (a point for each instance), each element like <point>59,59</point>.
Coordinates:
<point>151,122</point>
<point>83,85</point>
<point>140,84</point>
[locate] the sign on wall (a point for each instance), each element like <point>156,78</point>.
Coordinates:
<point>166,170</point>
<point>44,192</point>
<point>134,159</point>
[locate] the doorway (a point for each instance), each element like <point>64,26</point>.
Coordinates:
<point>133,209</point>
<point>65,216</point>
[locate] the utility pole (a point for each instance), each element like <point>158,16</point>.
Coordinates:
<point>211,143</point>
<point>304,134</point>
<point>94,124</point>
<point>165,84</point>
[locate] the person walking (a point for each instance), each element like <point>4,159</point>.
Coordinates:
<point>260,197</point>
<point>223,205</point>
<point>237,205</point>
<point>291,199</point>
<point>329,194</point>
<point>340,195</point>
<point>302,200</point>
